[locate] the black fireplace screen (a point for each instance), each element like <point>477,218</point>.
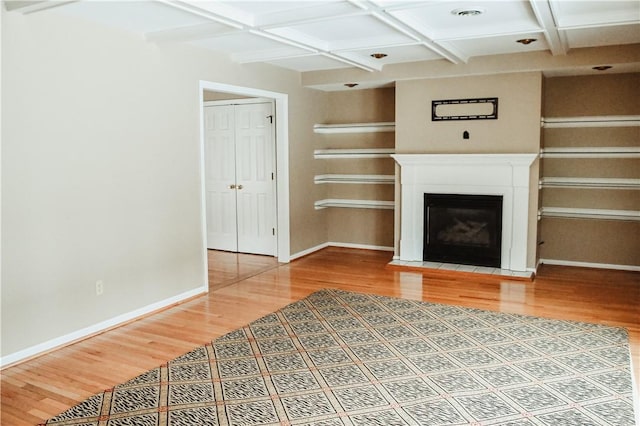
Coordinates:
<point>465,229</point>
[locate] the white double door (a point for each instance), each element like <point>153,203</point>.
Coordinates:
<point>240,177</point>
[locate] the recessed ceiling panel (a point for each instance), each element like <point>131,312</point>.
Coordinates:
<point>456,19</point>
<point>589,12</point>
<point>348,32</point>
<point>268,13</point>
<point>137,16</point>
<point>603,36</point>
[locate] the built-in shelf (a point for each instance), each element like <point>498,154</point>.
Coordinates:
<point>353,153</point>
<point>574,213</point>
<point>359,179</point>
<point>591,152</point>
<point>592,121</point>
<point>355,128</point>
<point>354,204</point>
<point>589,183</point>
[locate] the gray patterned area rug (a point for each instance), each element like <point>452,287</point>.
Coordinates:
<point>342,358</point>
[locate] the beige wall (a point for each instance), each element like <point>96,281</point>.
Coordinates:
<point>603,242</point>
<point>517,129</point>
<point>611,94</point>
<point>100,171</point>
<point>361,106</point>
<point>364,227</point>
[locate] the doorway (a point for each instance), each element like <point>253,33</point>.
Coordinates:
<point>281,105</point>
<point>240,176</point>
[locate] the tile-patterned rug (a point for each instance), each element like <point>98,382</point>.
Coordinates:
<point>341,358</point>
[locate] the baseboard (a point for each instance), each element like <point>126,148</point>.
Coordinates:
<point>335,244</point>
<point>589,264</point>
<point>360,246</point>
<point>58,342</point>
<point>308,251</point>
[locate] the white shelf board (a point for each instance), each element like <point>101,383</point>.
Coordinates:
<point>592,121</point>
<point>359,179</point>
<point>602,214</point>
<point>354,204</point>
<point>353,153</point>
<point>591,152</point>
<point>355,128</point>
<point>589,183</point>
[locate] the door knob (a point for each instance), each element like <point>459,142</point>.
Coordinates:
<point>232,187</point>
<point>240,186</point>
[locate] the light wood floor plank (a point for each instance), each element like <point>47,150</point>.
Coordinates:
<point>247,287</point>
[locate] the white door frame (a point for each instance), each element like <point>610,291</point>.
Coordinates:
<point>282,163</point>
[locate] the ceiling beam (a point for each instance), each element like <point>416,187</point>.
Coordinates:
<point>555,39</point>
<point>244,24</point>
<point>385,17</point>
<point>325,52</point>
<point>30,6</point>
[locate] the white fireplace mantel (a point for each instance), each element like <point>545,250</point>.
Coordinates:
<point>507,175</point>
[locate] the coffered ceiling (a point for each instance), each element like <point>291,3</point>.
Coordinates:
<point>366,35</point>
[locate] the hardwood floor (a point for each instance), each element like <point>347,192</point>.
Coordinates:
<point>41,388</point>
<point>226,268</point>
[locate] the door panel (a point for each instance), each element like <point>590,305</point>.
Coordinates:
<point>219,178</point>
<point>239,154</point>
<point>255,165</point>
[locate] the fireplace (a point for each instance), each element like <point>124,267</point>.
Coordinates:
<point>509,176</point>
<point>464,229</point>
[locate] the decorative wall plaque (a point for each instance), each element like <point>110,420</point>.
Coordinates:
<point>464,109</point>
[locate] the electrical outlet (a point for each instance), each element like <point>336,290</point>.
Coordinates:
<point>99,288</point>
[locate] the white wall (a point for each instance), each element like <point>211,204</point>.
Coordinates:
<point>100,172</point>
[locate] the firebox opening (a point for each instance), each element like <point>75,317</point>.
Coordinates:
<point>464,229</point>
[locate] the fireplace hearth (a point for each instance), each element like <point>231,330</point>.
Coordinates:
<point>463,229</point>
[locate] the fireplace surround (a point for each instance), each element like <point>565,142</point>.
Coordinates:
<point>505,175</point>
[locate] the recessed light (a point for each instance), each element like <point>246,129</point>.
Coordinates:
<point>351,84</point>
<point>378,55</point>
<point>526,41</point>
<point>602,67</point>
<point>468,12</point>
